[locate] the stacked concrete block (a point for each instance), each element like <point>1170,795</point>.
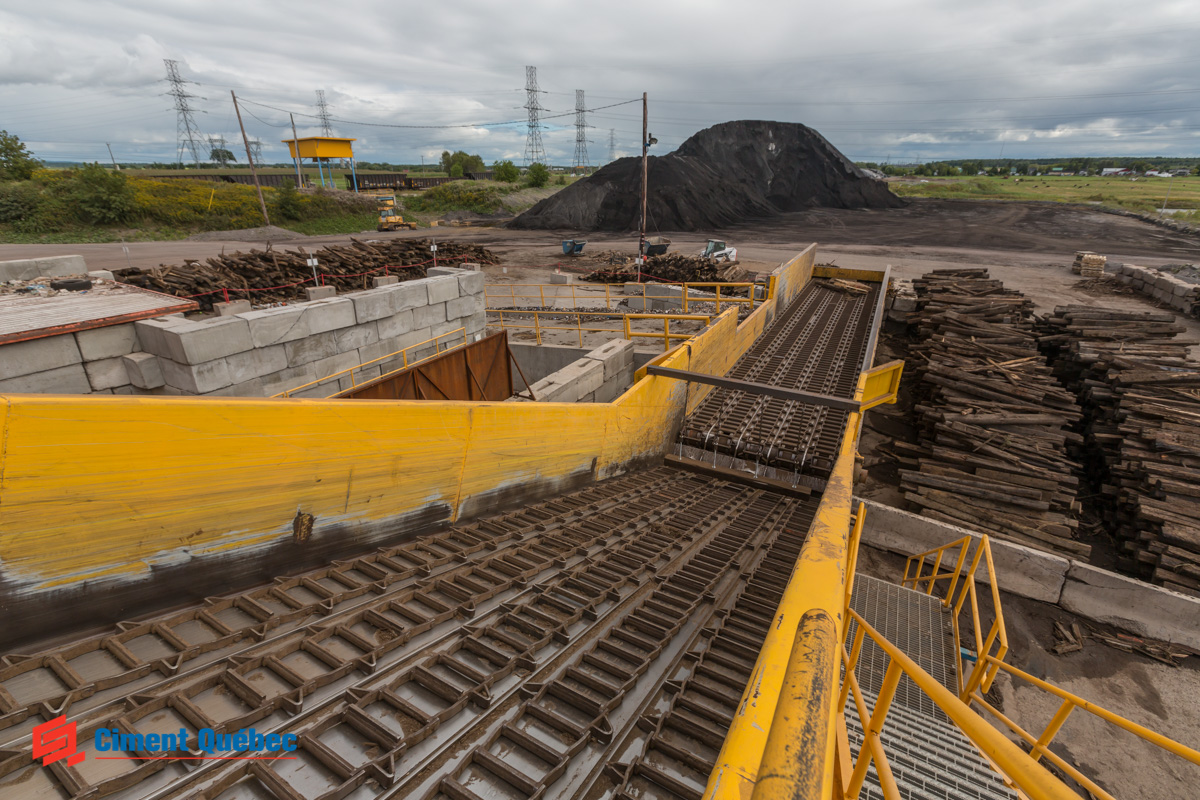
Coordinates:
<point>254,353</point>
<point>1162,286</point>
<point>599,377</point>
<point>27,269</point>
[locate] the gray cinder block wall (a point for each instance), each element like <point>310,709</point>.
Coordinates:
<point>1162,286</point>
<point>254,353</point>
<point>600,376</point>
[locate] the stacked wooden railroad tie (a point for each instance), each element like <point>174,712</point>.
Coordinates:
<point>992,420</point>
<point>1089,264</point>
<point>674,267</point>
<point>273,272</point>
<point>1141,394</point>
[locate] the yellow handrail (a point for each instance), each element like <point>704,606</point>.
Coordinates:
<point>404,353</point>
<point>625,330</point>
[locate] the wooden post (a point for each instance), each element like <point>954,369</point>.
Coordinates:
<point>250,159</point>
<point>296,152</point>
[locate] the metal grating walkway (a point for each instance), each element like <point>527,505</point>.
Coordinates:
<point>930,758</point>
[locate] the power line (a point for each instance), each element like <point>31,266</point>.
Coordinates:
<point>186,130</point>
<point>323,114</point>
<point>581,154</point>
<point>534,152</point>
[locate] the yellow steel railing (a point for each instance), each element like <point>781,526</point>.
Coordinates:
<point>626,329</point>
<point>438,350</point>
<point>984,672</point>
<point>988,663</point>
<point>552,294</point>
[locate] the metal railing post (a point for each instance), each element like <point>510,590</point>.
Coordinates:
<point>891,680</point>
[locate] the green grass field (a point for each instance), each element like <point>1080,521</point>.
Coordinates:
<point>1143,194</point>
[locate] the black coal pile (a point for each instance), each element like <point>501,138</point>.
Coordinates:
<point>729,173</point>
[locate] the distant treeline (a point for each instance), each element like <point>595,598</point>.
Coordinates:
<point>1022,166</point>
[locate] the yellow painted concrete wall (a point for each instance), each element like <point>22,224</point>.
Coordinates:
<point>111,487</point>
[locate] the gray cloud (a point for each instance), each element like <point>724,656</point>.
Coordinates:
<point>919,80</point>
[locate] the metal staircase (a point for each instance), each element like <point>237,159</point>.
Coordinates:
<point>930,759</point>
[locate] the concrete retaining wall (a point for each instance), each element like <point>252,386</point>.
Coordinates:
<point>539,360</point>
<point>599,376</point>
<point>1162,286</point>
<point>1091,592</point>
<point>253,353</point>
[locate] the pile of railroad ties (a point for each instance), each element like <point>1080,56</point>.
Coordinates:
<point>992,420</point>
<point>280,276</point>
<point>671,267</point>
<point>1140,395</point>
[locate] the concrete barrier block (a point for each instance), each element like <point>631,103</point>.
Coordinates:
<point>1132,605</point>
<point>311,348</point>
<point>198,342</point>
<point>1182,289</point>
<point>107,373</point>
<point>561,277</point>
<point>371,305</point>
<point>232,308</point>
<point>358,336</point>
<point>428,316</point>
<point>609,391</point>
<point>69,379</point>
<point>387,280</point>
<point>409,294</point>
<point>143,370</point>
<point>320,292</point>
<point>335,363</point>
<point>21,269</point>
<point>573,381</point>
<point>275,325</point>
<point>1020,570</point>
<point>250,388</point>
<point>461,307</point>
<point>107,342</point>
<point>471,266</point>
<point>615,356</point>
<point>61,266</point>
<point>442,289</point>
<point>38,355</point>
<point>441,272</point>
<point>287,379</point>
<point>477,322</point>
<point>360,376</point>
<point>470,284</point>
<point>196,378</point>
<point>255,363</point>
<point>328,315</point>
<point>101,275</point>
<point>398,324</point>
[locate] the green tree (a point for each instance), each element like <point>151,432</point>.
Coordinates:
<point>456,170</point>
<point>506,172</point>
<point>538,175</point>
<point>287,201</point>
<point>221,156</point>
<point>16,162</point>
<point>99,196</point>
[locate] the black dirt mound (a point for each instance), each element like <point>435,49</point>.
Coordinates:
<point>729,173</point>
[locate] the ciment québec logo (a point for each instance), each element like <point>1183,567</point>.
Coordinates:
<point>57,739</point>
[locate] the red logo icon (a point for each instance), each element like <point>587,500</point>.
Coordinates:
<point>55,740</point>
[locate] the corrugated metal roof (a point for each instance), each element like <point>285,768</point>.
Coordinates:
<point>24,316</point>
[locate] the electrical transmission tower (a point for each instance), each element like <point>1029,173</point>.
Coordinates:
<point>218,149</point>
<point>323,114</point>
<point>612,144</point>
<point>187,131</point>
<point>256,150</point>
<point>581,156</point>
<point>534,153</point>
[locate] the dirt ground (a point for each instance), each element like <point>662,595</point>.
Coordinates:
<point>1158,696</point>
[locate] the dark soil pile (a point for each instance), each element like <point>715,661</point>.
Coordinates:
<point>280,276</point>
<point>726,174</point>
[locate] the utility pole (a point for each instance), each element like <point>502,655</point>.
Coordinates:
<point>110,155</point>
<point>534,153</point>
<point>645,176</point>
<point>296,150</point>
<point>1168,197</point>
<point>612,144</point>
<point>250,158</point>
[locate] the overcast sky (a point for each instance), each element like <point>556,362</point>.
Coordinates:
<point>918,80</point>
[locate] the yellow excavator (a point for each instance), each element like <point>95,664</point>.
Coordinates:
<point>389,216</point>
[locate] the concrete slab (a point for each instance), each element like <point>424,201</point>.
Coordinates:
<point>256,363</point>
<point>38,355</point>
<point>1132,605</point>
<point>107,342</point>
<point>276,325</point>
<point>196,378</point>
<point>371,305</point>
<point>442,289</point>
<point>428,316</point>
<point>286,379</point>
<point>471,283</point>
<point>358,336</point>
<point>143,370</point>
<point>461,307</point>
<point>106,373</point>
<point>199,342</point>
<point>328,315</point>
<point>70,379</point>
<point>410,294</point>
<point>398,324</point>
<point>311,348</point>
